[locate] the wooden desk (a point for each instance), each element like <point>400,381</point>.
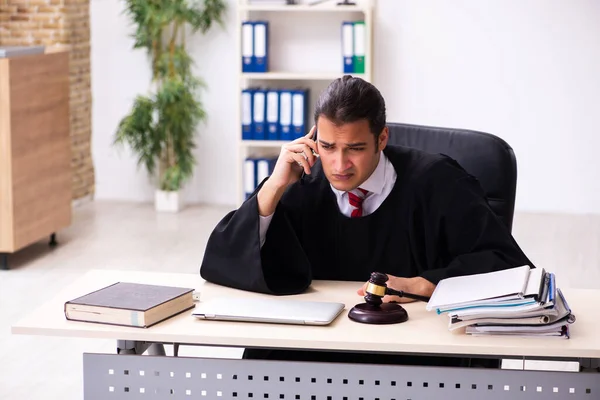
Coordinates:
<point>424,333</point>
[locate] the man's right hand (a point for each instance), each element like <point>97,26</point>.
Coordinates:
<point>295,157</point>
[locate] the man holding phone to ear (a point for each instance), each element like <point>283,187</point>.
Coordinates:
<point>346,204</point>
<point>361,206</point>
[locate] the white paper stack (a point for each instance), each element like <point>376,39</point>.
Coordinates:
<point>519,301</point>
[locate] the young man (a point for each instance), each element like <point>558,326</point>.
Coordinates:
<point>361,207</point>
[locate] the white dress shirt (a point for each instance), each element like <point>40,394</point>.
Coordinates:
<point>379,185</point>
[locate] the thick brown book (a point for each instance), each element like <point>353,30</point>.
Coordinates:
<point>130,304</point>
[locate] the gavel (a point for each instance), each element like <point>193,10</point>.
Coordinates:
<point>374,310</point>
<point>377,288</point>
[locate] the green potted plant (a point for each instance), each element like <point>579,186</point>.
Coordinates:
<point>161,126</point>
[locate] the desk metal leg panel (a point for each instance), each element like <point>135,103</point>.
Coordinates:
<point>108,376</point>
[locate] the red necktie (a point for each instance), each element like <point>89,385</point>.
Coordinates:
<point>356,201</point>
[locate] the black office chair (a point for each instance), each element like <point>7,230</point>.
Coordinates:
<point>485,156</point>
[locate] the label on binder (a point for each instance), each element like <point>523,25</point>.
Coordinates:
<point>260,40</point>
<point>262,170</point>
<point>272,109</point>
<point>272,115</point>
<point>348,46</point>
<point>249,177</point>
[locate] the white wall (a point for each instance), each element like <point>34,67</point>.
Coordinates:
<point>119,74</point>
<point>526,71</point>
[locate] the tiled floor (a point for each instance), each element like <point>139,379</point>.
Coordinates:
<point>133,236</point>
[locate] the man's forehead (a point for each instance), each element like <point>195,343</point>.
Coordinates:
<point>343,131</point>
<point>359,123</point>
<point>342,136</point>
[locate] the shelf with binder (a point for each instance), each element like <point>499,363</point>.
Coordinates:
<point>255,46</point>
<point>279,47</point>
<point>285,48</point>
<point>270,114</point>
<point>255,170</point>
<point>354,47</point>
<point>271,117</point>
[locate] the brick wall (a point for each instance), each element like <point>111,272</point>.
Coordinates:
<point>60,22</point>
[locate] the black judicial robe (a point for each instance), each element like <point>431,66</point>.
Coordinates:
<point>435,223</point>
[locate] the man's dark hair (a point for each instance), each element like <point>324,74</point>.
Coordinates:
<point>349,99</point>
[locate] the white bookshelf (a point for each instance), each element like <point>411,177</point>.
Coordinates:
<point>312,35</point>
<point>327,6</point>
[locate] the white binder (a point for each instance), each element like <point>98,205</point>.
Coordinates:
<point>261,46</point>
<point>262,170</point>
<point>249,177</point>
<point>247,129</point>
<point>260,114</point>
<point>247,47</point>
<point>272,115</point>
<point>285,115</point>
<point>359,47</point>
<point>298,113</point>
<point>348,47</point>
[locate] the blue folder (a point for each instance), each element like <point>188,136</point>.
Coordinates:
<point>247,114</point>
<point>249,176</point>
<point>248,47</point>
<point>348,46</point>
<point>261,46</point>
<point>259,114</point>
<point>285,115</point>
<point>272,114</point>
<point>299,112</point>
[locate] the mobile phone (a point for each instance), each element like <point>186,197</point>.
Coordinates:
<point>314,139</point>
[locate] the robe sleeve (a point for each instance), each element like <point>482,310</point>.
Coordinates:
<point>469,237</point>
<point>234,257</point>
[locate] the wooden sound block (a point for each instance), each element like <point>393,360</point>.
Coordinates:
<point>386,313</point>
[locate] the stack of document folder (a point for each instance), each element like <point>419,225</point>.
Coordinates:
<point>519,301</point>
<point>353,46</point>
<point>256,170</point>
<point>274,114</point>
<point>255,46</point>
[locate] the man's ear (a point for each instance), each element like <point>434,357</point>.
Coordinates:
<point>383,139</point>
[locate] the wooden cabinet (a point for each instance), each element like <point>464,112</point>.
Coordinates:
<point>35,149</point>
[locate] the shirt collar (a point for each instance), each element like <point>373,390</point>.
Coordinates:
<point>376,181</point>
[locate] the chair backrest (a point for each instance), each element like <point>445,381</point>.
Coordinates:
<point>485,156</point>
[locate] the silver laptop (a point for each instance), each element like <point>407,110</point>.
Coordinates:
<point>272,310</point>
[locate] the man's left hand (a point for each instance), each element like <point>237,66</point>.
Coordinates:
<point>416,285</point>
